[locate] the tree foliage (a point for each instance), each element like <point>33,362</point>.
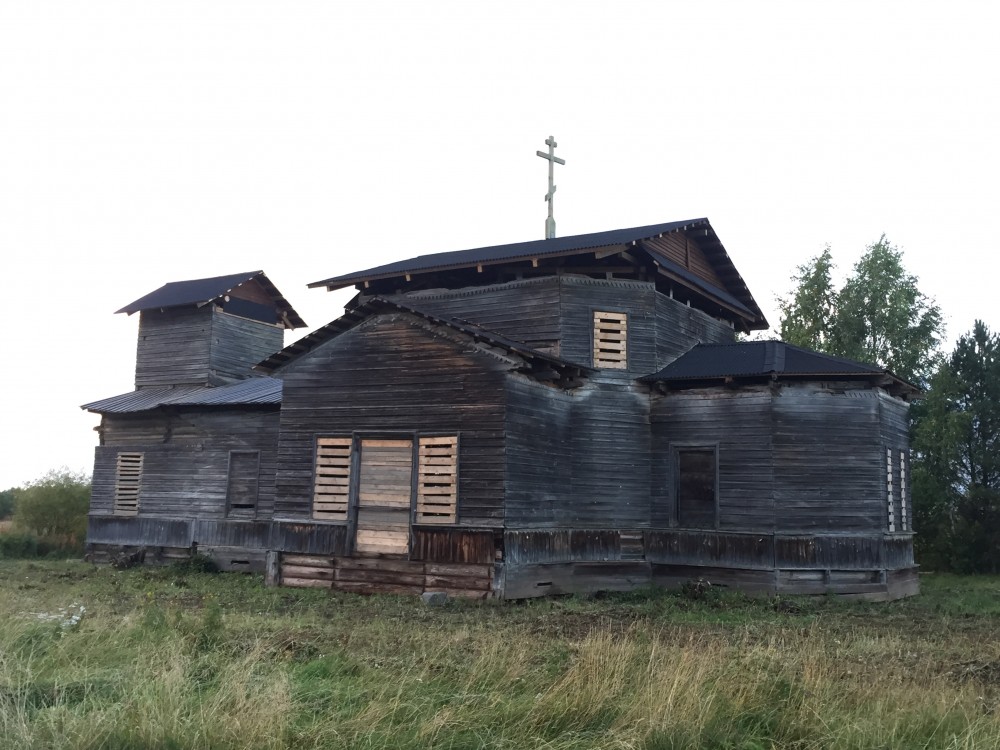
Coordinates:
<point>807,317</point>
<point>878,316</point>
<point>6,503</point>
<point>956,469</point>
<point>54,505</point>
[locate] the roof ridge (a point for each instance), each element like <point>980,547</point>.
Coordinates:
<point>530,248</point>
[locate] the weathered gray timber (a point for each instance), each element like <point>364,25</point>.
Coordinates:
<point>200,346</point>
<point>186,455</point>
<point>516,421</point>
<point>431,384</point>
<point>735,422</point>
<point>526,310</point>
<point>555,314</point>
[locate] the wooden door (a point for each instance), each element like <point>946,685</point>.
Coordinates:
<point>384,489</point>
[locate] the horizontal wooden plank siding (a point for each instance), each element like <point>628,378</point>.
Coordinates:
<point>533,580</point>
<point>539,455</point>
<point>752,551</point>
<point>739,423</point>
<point>610,439</point>
<point>379,576</point>
<point>894,419</point>
<point>830,551</point>
<point>226,533</point>
<point>525,310</point>
<point>238,344</point>
<point>174,346</point>
<point>679,327</point>
<point>138,531</point>
<point>581,296</point>
<point>200,346</point>
<point>563,545</point>
<point>392,377</point>
<point>186,457</point>
<point>829,470</point>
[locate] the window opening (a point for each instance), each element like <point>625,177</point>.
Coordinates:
<point>437,482</point>
<point>128,481</point>
<point>697,488</point>
<point>611,340</point>
<point>331,488</point>
<point>242,487</point>
<point>890,490</point>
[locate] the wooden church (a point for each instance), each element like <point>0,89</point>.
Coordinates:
<point>564,415</point>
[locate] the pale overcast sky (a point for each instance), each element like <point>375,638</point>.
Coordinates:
<point>147,142</point>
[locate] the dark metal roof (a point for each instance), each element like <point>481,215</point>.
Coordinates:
<point>756,359</point>
<point>498,253</point>
<point>203,291</point>
<point>376,305</point>
<point>736,293</point>
<point>260,390</point>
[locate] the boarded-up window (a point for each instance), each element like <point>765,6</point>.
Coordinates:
<point>903,519</point>
<point>696,488</point>
<point>384,491</point>
<point>890,490</point>
<point>241,490</point>
<point>611,340</point>
<point>437,480</point>
<point>332,483</point>
<point>128,481</point>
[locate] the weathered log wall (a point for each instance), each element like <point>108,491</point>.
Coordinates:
<point>679,327</point>
<point>186,458</point>
<point>200,346</point>
<point>393,375</point>
<point>738,422</point>
<point>527,311</point>
<point>828,459</point>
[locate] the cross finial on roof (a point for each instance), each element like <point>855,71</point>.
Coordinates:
<point>550,223</point>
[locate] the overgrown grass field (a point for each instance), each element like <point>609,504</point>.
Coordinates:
<point>173,658</point>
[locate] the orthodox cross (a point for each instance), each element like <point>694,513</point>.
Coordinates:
<point>550,223</point>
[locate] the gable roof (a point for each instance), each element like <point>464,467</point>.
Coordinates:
<point>760,359</point>
<point>379,305</point>
<point>735,294</point>
<point>261,390</point>
<point>202,291</point>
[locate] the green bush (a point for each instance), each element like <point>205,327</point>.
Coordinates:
<point>25,545</point>
<point>19,545</point>
<point>6,503</point>
<point>55,506</point>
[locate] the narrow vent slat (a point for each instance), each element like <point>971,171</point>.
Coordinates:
<point>611,340</point>
<point>128,481</point>
<point>437,480</point>
<point>331,484</point>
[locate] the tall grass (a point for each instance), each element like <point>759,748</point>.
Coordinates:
<point>183,666</point>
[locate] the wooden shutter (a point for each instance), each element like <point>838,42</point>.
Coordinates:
<point>611,340</point>
<point>128,478</point>
<point>437,480</point>
<point>333,478</point>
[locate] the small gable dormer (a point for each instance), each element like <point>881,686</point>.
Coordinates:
<point>209,331</point>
